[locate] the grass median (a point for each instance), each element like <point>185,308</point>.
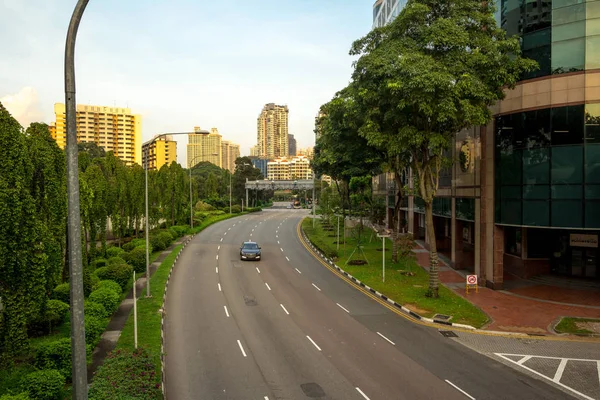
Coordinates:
<point>578,326</point>
<point>407,290</point>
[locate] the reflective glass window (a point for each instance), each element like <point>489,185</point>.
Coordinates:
<point>510,212</point>
<point>568,14</point>
<point>592,163</point>
<point>592,123</point>
<point>592,52</point>
<point>537,243</point>
<point>543,57</point>
<point>592,214</point>
<point>510,168</point>
<point>568,55</point>
<point>536,192</point>
<point>567,125</point>
<point>536,166</point>
<point>510,192</point>
<point>536,212</point>
<point>567,164</point>
<point>567,213</point>
<point>592,9</point>
<point>568,31</point>
<point>538,15</point>
<point>592,27</point>
<point>511,17</point>
<point>565,192</point>
<point>592,192</point>
<point>563,3</point>
<point>537,127</point>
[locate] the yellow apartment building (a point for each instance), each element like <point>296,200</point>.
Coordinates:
<point>289,168</point>
<point>230,152</point>
<point>112,128</point>
<point>272,132</point>
<point>159,152</point>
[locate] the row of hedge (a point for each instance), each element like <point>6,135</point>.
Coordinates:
<point>105,281</point>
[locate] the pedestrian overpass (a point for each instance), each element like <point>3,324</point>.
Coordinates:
<point>265,184</point>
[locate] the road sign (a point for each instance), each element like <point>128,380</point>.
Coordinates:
<point>471,282</point>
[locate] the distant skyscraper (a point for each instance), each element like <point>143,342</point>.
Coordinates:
<point>159,152</point>
<point>204,146</point>
<point>254,151</point>
<point>308,152</point>
<point>272,131</point>
<point>112,128</point>
<point>291,145</point>
<point>384,11</point>
<point>230,152</point>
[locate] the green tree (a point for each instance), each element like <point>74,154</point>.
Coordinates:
<point>22,249</point>
<point>244,170</point>
<point>441,64</point>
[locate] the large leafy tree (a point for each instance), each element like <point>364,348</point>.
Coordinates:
<point>441,64</point>
<point>244,170</point>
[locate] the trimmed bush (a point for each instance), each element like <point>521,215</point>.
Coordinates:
<point>106,297</point>
<point>20,396</point>
<point>44,385</point>
<point>133,244</point>
<point>137,259</point>
<point>112,285</point>
<point>202,206</point>
<point>161,240</point>
<point>114,252</point>
<point>126,374</point>
<point>55,355</point>
<point>173,233</point>
<point>95,310</point>
<point>98,262</point>
<point>62,293</point>
<point>180,230</point>
<point>235,209</point>
<point>115,260</point>
<point>90,281</point>
<point>119,273</point>
<point>93,329</point>
<point>56,311</point>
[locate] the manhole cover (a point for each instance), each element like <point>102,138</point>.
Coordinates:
<point>250,301</point>
<point>442,317</point>
<point>312,390</point>
<point>448,334</point>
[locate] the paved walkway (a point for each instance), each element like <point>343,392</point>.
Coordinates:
<point>526,306</point>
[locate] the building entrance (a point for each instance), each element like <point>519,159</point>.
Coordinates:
<point>584,262</point>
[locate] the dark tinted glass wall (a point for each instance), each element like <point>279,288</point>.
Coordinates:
<point>548,167</point>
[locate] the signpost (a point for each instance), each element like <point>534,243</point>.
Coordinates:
<point>471,283</point>
<point>385,234</point>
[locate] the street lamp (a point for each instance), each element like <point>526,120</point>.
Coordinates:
<point>192,165</point>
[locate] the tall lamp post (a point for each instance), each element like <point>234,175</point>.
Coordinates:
<point>192,165</point>
<point>78,354</point>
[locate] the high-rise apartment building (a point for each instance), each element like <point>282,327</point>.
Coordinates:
<point>204,146</point>
<point>307,152</point>
<point>289,168</point>
<point>254,151</point>
<point>159,152</point>
<point>112,128</point>
<point>272,131</point>
<point>384,11</point>
<point>291,145</point>
<point>230,152</point>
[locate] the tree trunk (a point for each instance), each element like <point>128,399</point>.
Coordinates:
<point>434,280</point>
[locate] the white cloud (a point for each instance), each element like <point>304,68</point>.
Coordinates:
<point>24,106</point>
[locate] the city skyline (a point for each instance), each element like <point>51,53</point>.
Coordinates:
<point>122,60</point>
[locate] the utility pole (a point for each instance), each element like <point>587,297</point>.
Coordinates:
<point>78,353</point>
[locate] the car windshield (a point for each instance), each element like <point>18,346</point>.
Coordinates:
<point>250,246</point>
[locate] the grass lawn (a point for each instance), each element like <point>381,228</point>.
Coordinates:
<point>569,325</point>
<point>407,290</point>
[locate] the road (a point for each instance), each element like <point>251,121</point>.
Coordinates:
<point>288,328</point>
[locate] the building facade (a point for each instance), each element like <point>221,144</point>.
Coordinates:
<point>204,145</point>
<point>291,145</point>
<point>159,152</point>
<point>289,168</point>
<point>112,128</point>
<point>384,11</point>
<point>230,152</point>
<point>307,152</point>
<point>522,197</point>
<point>272,132</point>
<point>261,164</point>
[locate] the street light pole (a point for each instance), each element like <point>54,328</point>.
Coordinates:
<point>191,202</point>
<point>78,353</point>
<point>147,228</point>
<point>230,175</point>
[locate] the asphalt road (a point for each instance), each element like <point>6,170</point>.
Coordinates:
<point>288,328</point>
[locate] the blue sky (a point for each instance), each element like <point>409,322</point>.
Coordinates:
<point>183,63</point>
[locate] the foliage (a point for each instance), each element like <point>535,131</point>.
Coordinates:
<point>101,272</point>
<point>133,244</point>
<point>114,252</point>
<point>20,396</point>
<point>93,329</point>
<point>202,206</point>
<point>179,230</point>
<point>235,209</point>
<point>55,355</point>
<point>44,385</point>
<point>99,262</point>
<point>120,273</point>
<point>95,310</point>
<point>90,281</point>
<point>106,297</point>
<point>111,285</point>
<point>55,313</point>
<point>126,374</point>
<point>115,260</point>
<point>137,259</point>
<point>62,293</point>
<point>161,240</point>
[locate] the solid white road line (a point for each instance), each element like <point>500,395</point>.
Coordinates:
<point>298,270</point>
<point>316,287</point>
<point>287,258</point>
<point>226,312</point>
<point>217,270</point>
<point>241,348</point>
<point>524,359</point>
<point>342,307</point>
<point>386,338</point>
<point>286,311</point>
<point>268,287</point>
<point>219,285</point>
<point>257,270</point>
<point>313,342</point>
<point>460,390</point>
<point>362,393</point>
<point>560,370</point>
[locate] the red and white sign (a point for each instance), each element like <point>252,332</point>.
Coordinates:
<point>471,279</point>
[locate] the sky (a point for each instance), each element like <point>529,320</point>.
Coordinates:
<point>183,63</point>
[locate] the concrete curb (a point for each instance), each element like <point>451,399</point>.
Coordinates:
<point>401,307</point>
<point>162,321</point>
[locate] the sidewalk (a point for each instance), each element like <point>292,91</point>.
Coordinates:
<point>524,306</point>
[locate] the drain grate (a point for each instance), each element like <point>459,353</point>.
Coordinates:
<point>442,317</point>
<point>448,334</point>
<point>312,390</point>
<point>250,301</point>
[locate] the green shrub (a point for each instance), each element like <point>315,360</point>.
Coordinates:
<point>62,293</point>
<point>95,310</point>
<point>126,374</point>
<point>119,273</point>
<point>56,311</point>
<point>98,262</point>
<point>55,355</point>
<point>115,260</point>
<point>114,252</point>
<point>133,244</point>
<point>161,240</point>
<point>137,259</point>
<point>44,385</point>
<point>235,209</point>
<point>90,281</point>
<point>173,233</point>
<point>93,329</point>
<point>20,396</point>
<point>202,206</point>
<point>106,297</point>
<point>112,285</point>
<point>180,230</point>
